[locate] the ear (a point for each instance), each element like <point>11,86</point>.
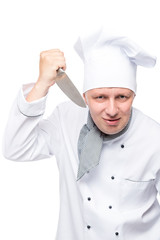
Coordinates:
<point>85,98</point>
<point>134,95</point>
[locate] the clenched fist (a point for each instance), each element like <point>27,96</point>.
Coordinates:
<point>50,62</point>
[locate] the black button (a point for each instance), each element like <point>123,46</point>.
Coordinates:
<point>116,233</point>
<point>112,177</point>
<point>110,207</point>
<point>88,227</point>
<point>122,146</point>
<point>89,199</point>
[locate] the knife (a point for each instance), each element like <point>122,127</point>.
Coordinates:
<point>66,85</point>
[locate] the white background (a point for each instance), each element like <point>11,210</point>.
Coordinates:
<point>29,195</point>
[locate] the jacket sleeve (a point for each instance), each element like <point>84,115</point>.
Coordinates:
<point>27,135</point>
<point>158,182</point>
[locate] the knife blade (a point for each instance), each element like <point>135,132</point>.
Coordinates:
<point>67,86</point>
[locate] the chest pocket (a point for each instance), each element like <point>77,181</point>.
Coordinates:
<point>136,194</point>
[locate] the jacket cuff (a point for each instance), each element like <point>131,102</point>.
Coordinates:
<point>30,109</point>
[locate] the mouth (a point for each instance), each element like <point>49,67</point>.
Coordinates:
<point>112,122</point>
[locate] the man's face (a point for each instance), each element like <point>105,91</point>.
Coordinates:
<point>110,108</point>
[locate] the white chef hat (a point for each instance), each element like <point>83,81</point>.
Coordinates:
<point>110,61</point>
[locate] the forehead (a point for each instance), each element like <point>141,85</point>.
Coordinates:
<point>109,90</point>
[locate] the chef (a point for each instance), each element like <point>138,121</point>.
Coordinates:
<point>108,154</point>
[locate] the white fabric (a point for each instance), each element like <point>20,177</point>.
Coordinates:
<point>126,204</point>
<point>110,60</point>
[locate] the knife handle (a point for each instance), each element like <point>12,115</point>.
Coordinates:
<point>60,71</point>
<point>60,74</point>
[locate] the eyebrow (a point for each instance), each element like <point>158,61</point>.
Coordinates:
<point>116,94</point>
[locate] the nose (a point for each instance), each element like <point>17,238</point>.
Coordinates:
<point>111,108</point>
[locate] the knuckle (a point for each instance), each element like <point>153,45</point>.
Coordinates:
<point>42,54</point>
<point>47,57</point>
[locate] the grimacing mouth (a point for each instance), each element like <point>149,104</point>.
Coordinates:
<point>111,119</point>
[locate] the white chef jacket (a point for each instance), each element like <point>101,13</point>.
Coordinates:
<point>115,200</point>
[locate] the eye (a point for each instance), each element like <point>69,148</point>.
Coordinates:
<point>122,97</point>
<point>100,97</point>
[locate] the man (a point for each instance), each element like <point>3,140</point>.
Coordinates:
<point>109,185</point>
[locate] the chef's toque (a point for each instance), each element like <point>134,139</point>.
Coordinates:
<point>111,61</point>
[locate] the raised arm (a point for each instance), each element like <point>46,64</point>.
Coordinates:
<point>27,136</point>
